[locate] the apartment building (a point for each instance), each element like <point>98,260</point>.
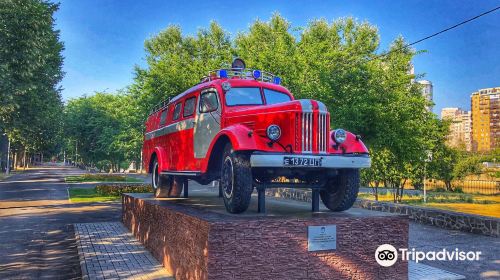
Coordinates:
<point>485,105</point>
<point>427,92</point>
<point>460,127</point>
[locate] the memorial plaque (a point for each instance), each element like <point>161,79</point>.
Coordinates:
<point>321,238</point>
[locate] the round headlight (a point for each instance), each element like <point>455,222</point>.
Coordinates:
<point>273,132</point>
<point>339,136</point>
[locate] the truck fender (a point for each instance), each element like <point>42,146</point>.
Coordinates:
<point>240,136</point>
<point>161,156</point>
<point>237,135</point>
<point>352,144</point>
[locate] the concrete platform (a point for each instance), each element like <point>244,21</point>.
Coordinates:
<point>131,261</point>
<point>196,238</point>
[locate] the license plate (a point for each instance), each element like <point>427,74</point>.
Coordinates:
<point>301,161</point>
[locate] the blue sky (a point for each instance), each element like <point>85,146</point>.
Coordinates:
<point>104,38</point>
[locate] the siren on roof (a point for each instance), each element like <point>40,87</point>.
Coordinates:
<point>256,74</point>
<point>222,73</point>
<point>238,63</point>
<point>277,80</point>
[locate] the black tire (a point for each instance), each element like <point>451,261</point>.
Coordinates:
<point>159,182</point>
<point>236,180</point>
<point>341,191</point>
<point>164,185</point>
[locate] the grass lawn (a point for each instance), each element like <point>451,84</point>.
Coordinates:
<point>101,178</point>
<point>486,205</point>
<point>491,210</point>
<point>88,195</point>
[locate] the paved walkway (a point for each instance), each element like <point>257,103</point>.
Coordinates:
<point>419,271</point>
<point>37,239</point>
<point>109,251</point>
<point>36,224</point>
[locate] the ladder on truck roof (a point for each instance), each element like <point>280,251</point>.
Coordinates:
<point>159,106</point>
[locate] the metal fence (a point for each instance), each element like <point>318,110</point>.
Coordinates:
<point>468,186</point>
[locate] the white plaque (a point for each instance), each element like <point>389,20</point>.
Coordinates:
<point>321,238</point>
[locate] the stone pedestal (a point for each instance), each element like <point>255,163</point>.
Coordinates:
<point>195,238</point>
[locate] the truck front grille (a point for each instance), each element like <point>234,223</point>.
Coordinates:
<point>323,129</point>
<point>307,132</point>
<point>313,132</point>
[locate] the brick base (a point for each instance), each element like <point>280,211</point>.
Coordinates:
<point>194,242</point>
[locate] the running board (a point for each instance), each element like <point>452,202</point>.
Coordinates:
<point>181,173</point>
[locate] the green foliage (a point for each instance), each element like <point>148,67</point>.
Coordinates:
<point>270,46</point>
<point>30,70</point>
<point>467,165</point>
<point>99,128</point>
<point>335,62</point>
<point>105,192</point>
<point>432,197</point>
<point>100,178</point>
<point>117,190</point>
<point>109,128</point>
<point>176,63</point>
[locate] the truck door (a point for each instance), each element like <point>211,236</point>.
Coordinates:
<point>207,122</point>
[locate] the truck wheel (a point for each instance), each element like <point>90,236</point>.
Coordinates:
<point>236,180</point>
<point>159,182</point>
<point>341,192</point>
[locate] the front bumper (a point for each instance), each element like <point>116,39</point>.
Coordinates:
<point>327,161</point>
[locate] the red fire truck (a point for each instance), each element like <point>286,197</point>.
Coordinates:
<point>241,127</point>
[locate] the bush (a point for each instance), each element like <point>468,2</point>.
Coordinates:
<point>96,177</point>
<point>103,177</point>
<point>117,190</point>
<point>458,190</point>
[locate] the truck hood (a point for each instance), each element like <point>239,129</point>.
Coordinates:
<point>301,105</point>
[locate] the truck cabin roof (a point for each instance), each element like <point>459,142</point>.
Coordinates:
<point>236,77</point>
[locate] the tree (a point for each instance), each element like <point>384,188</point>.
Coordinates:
<point>30,70</point>
<point>175,63</point>
<point>269,46</point>
<point>338,63</point>
<point>94,124</point>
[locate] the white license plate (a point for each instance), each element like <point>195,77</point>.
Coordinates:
<point>301,161</point>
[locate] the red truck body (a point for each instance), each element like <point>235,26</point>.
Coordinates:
<point>187,135</point>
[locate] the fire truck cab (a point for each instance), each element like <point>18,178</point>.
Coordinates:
<point>241,127</point>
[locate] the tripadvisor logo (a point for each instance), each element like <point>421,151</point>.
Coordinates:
<point>387,255</point>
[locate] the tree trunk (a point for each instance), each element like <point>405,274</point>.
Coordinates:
<point>15,160</point>
<point>376,190</point>
<point>448,185</point>
<point>24,159</point>
<point>400,198</point>
<point>394,192</point>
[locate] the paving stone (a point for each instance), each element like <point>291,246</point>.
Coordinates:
<point>109,251</point>
<point>419,271</point>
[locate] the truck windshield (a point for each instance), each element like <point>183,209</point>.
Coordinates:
<point>244,96</point>
<point>273,97</point>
